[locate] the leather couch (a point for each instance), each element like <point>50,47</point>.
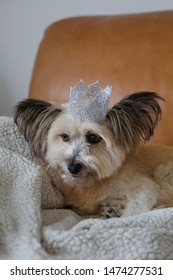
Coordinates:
<point>132,53</point>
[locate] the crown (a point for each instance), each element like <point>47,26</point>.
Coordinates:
<point>89,103</point>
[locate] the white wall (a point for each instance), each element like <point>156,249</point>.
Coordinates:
<point>22,23</point>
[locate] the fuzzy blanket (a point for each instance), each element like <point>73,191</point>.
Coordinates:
<point>33,224</point>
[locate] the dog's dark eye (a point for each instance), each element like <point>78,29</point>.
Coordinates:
<point>93,138</point>
<point>65,137</point>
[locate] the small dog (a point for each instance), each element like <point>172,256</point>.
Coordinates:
<point>102,166</point>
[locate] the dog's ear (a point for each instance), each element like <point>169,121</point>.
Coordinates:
<point>134,119</point>
<point>34,118</point>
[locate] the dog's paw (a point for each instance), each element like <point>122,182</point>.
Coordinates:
<point>110,211</point>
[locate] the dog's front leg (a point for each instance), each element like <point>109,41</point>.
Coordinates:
<point>141,199</point>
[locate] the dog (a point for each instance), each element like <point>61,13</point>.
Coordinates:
<point>104,168</point>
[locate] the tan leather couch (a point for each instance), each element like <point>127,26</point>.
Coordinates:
<point>130,52</point>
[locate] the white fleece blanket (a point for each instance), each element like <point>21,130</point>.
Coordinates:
<point>32,225</point>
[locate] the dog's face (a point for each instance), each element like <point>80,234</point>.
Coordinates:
<point>85,152</point>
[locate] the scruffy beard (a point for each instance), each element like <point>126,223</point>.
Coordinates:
<point>89,175</point>
<point>86,177</point>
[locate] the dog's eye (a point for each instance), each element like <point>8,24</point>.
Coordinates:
<point>65,137</point>
<point>93,138</point>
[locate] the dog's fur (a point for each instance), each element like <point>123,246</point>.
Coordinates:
<point>103,168</point>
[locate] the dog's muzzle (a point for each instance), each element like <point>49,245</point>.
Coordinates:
<point>74,168</point>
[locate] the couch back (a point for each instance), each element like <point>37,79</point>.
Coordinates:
<point>132,53</point>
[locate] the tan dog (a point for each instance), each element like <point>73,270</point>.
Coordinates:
<point>102,167</point>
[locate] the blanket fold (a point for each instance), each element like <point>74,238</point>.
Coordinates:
<point>33,224</point>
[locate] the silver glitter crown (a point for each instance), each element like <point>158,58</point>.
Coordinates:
<point>89,103</point>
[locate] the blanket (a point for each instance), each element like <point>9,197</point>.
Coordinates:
<point>34,225</point>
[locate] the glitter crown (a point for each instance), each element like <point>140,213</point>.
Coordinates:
<point>89,103</point>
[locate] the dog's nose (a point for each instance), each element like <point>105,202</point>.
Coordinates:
<point>74,168</point>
